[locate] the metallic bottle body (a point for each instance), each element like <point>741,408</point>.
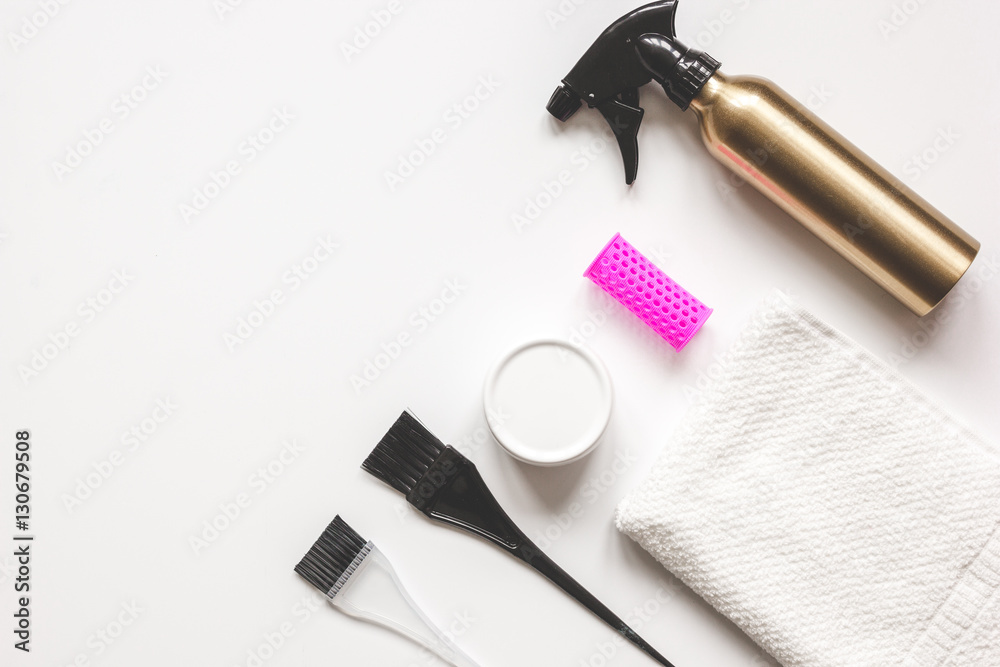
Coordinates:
<point>837,192</point>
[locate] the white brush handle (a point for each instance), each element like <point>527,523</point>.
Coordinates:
<point>374,593</point>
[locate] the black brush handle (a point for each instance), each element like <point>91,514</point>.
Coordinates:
<point>531,555</point>
<point>453,492</point>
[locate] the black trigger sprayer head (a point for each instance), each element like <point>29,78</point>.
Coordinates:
<point>637,48</point>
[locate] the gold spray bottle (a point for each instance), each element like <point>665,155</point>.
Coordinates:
<point>781,148</point>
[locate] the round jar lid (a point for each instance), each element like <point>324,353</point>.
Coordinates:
<point>548,402</point>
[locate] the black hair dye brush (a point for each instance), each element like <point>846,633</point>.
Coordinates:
<point>443,484</point>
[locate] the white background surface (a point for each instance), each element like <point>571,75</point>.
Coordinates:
<point>162,336</point>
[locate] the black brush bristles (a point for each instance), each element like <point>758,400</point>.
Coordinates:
<point>403,454</point>
<point>331,555</point>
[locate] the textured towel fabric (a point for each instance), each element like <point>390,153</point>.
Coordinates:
<point>831,511</point>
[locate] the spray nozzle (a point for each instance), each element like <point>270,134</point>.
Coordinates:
<point>638,48</point>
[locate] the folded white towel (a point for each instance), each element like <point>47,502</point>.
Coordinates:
<point>831,511</point>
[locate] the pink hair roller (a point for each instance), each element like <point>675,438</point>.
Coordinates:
<point>639,285</point>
